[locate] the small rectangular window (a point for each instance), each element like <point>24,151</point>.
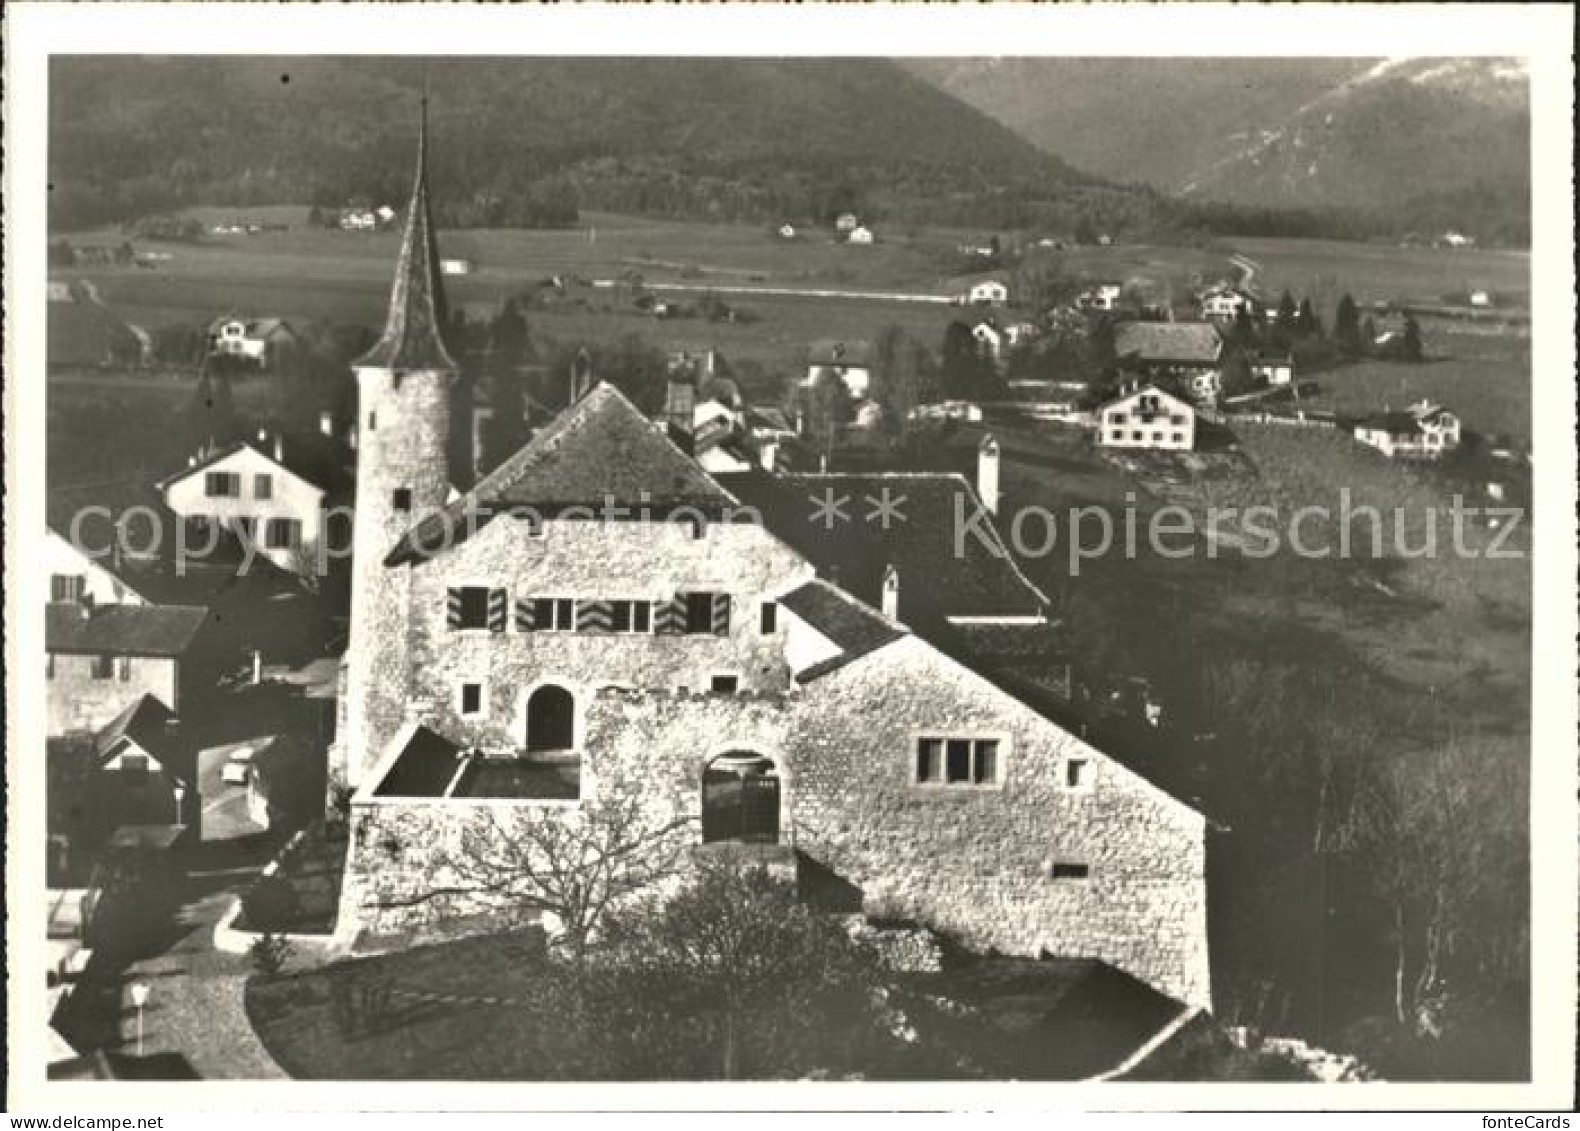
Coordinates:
<point>631,616</point>
<point>984,770</point>
<point>1135,436</point>
<point>263,486</point>
<point>957,761</point>
<point>49,666</point>
<point>1064,871</point>
<point>134,763</point>
<point>282,534</point>
<point>1179,437</point>
<point>103,667</point>
<point>471,698</point>
<point>63,587</point>
<point>1118,435</point>
<point>403,499</point>
<point>699,612</point>
<point>1077,773</point>
<point>768,621</point>
<point>222,485</point>
<point>469,607</point>
<point>123,668</point>
<point>726,683</point>
<point>373,421</point>
<point>930,760</point>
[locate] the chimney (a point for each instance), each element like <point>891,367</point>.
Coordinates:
<point>279,448</point>
<point>680,402</point>
<point>326,423</point>
<point>891,593</point>
<point>581,375</point>
<point>263,435</point>
<point>987,473</point>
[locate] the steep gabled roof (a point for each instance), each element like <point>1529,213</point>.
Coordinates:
<point>1191,342</point>
<point>938,577</point>
<point>287,465</point>
<point>148,723</point>
<point>598,452</point>
<point>414,326</point>
<point>855,628</point>
<point>122,630</point>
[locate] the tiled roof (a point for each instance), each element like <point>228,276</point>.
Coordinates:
<point>122,630</point>
<point>1194,342</point>
<point>854,627</point>
<point>920,542</point>
<point>413,328</point>
<point>600,450</point>
<point>424,768</point>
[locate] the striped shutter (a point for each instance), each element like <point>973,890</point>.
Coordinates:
<point>498,609</point>
<point>594,616</point>
<point>526,620</point>
<point>721,614</point>
<point>669,617</point>
<point>452,609</point>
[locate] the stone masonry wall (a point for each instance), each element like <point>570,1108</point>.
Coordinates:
<point>974,862</point>
<point>646,561</point>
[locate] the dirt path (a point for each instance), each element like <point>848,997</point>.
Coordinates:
<point>785,292</point>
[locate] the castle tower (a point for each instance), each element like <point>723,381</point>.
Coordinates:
<point>405,390</point>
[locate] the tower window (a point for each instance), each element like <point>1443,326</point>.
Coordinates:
<point>471,698</point>
<point>726,683</point>
<point>1066,871</point>
<point>403,498</point>
<point>373,421</point>
<point>768,622</point>
<point>1078,773</point>
<point>263,486</point>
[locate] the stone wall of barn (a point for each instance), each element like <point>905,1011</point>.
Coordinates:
<point>975,862</point>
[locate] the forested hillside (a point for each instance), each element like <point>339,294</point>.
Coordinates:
<point>529,141</point>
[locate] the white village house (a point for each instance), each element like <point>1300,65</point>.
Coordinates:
<point>1147,417</point>
<point>851,362</point>
<point>985,292</point>
<point>1103,297</point>
<point>1423,431</point>
<point>1223,303</point>
<point>261,341</point>
<point>860,235</point>
<point>274,508</point>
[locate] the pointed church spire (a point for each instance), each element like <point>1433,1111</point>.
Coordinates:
<point>414,327</point>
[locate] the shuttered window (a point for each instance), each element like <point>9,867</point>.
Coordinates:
<point>476,606</point>
<point>707,613</point>
<point>670,617</point>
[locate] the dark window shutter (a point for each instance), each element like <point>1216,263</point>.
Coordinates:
<point>498,609</point>
<point>721,614</point>
<point>669,617</point>
<point>594,616</point>
<point>452,611</point>
<point>526,614</point>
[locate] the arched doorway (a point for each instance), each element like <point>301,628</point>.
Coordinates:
<point>740,799</point>
<point>551,720</point>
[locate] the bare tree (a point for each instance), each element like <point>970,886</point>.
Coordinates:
<point>574,865</point>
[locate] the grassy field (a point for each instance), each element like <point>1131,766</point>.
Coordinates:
<point>1485,378</point>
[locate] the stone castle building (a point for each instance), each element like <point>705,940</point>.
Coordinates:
<point>600,617</point>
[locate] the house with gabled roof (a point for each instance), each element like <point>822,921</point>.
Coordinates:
<point>1425,430</point>
<point>102,658</point>
<point>600,617</point>
<point>257,495</point>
